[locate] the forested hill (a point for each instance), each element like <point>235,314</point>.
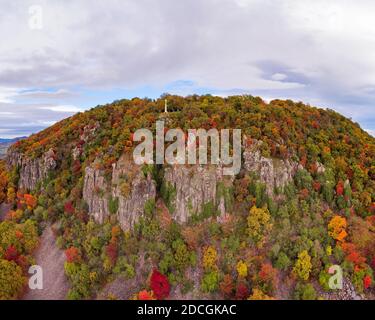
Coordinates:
<point>303,201</point>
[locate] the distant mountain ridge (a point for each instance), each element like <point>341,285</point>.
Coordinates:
<point>6,143</point>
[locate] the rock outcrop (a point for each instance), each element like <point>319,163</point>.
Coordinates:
<point>274,173</point>
<point>124,196</point>
<point>32,171</point>
<point>195,186</point>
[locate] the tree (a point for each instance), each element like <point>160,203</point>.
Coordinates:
<point>210,282</point>
<point>336,228</point>
<point>72,255</point>
<point>340,188</point>
<point>68,207</point>
<point>11,280</point>
<point>367,281</point>
<point>283,261</point>
<point>227,286</point>
<point>112,252</point>
<point>241,269</point>
<point>268,274</point>
<point>259,224</point>
<point>305,292</point>
<point>303,266</point>
<point>30,201</point>
<point>145,295</point>
<point>259,295</point>
<point>209,258</point>
<point>160,285</point>
<point>3,182</point>
<point>11,253</point>
<point>242,291</point>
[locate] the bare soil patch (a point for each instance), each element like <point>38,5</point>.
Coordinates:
<point>51,259</point>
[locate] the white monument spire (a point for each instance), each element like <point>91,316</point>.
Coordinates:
<point>166,106</point>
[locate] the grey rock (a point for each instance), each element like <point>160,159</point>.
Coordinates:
<point>195,186</point>
<point>97,192</point>
<point>272,172</point>
<point>32,171</point>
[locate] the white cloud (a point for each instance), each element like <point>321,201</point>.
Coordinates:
<point>62,108</point>
<point>279,76</point>
<point>7,94</point>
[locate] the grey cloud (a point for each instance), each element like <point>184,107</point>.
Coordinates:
<point>19,120</point>
<point>47,95</point>
<point>325,49</point>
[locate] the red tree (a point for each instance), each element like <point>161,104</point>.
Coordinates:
<point>242,292</point>
<point>72,255</point>
<point>317,186</point>
<point>11,253</point>
<point>111,251</point>
<point>30,200</point>
<point>68,207</point>
<point>340,188</point>
<point>367,282</point>
<point>159,285</point>
<point>145,295</point>
<point>227,286</point>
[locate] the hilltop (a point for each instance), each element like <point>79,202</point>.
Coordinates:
<point>303,201</point>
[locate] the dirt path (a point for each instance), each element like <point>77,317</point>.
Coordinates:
<point>51,259</point>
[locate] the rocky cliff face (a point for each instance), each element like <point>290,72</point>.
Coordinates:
<point>194,187</point>
<point>31,171</point>
<point>124,196</point>
<point>274,173</point>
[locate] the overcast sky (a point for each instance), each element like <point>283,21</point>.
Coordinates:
<point>60,57</point>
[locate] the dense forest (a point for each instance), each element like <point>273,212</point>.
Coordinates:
<point>269,246</point>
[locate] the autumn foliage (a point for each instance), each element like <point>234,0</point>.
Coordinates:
<point>160,285</point>
<point>145,295</point>
<point>367,281</point>
<point>72,255</point>
<point>336,228</point>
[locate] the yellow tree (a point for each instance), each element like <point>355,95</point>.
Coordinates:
<point>209,258</point>
<point>259,224</point>
<point>303,265</point>
<point>241,269</point>
<point>259,295</point>
<point>336,228</point>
